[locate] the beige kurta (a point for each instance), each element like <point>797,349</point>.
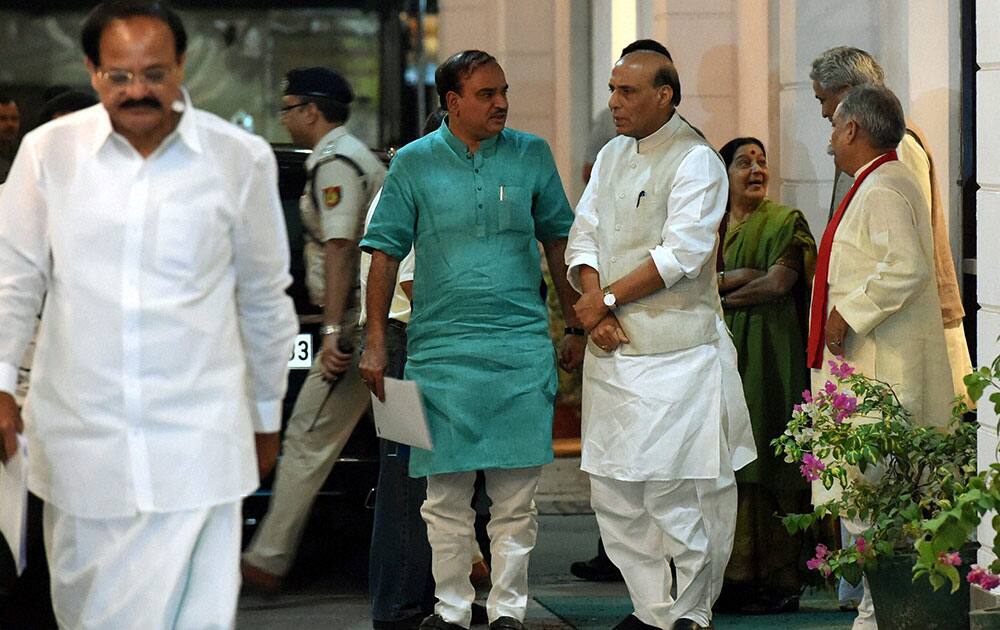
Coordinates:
<point>881,280</point>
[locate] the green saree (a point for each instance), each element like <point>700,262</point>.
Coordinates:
<point>770,340</point>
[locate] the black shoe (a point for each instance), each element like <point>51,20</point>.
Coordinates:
<point>597,569</point>
<point>506,623</point>
<point>479,616</point>
<point>688,624</point>
<point>435,622</point>
<point>633,623</point>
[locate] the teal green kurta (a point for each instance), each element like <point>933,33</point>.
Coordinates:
<point>479,345</point>
<point>769,337</point>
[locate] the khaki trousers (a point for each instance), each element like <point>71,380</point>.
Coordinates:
<point>319,427</point>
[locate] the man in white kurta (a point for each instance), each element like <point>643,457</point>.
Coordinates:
<point>882,307</point>
<point>664,420</point>
<point>155,233</point>
<point>833,73</point>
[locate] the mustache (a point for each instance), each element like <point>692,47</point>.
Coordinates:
<point>133,103</point>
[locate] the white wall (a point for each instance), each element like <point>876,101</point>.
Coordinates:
<point>987,215</point>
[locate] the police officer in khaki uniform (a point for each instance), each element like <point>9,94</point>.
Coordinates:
<point>343,177</point>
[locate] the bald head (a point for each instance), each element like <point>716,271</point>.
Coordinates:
<point>665,72</point>
<point>642,92</point>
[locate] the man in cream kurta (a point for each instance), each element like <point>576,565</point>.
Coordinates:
<point>664,419</point>
<point>833,73</point>
<point>882,305</point>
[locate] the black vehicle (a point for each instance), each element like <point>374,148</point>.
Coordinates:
<point>345,498</point>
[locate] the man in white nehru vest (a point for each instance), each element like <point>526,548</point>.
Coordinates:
<point>665,424</point>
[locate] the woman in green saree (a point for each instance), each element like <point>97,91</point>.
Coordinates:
<point>767,256</point>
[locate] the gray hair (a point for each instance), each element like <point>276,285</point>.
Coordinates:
<point>877,111</point>
<point>845,67</point>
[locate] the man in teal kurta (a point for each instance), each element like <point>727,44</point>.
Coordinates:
<point>474,199</point>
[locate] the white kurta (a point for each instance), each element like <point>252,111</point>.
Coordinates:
<point>881,280</point>
<point>676,415</point>
<point>166,332</point>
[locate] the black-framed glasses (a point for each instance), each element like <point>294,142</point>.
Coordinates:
<point>287,108</point>
<point>150,76</point>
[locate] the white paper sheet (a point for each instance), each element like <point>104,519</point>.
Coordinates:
<point>401,417</point>
<point>14,503</point>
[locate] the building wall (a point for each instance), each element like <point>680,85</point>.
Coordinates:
<point>542,46</point>
<point>987,216</point>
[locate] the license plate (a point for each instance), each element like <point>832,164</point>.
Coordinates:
<point>302,353</point>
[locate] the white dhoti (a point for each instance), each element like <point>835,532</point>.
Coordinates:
<point>154,570</point>
<point>512,529</point>
<point>646,524</point>
<point>319,427</point>
<point>662,436</point>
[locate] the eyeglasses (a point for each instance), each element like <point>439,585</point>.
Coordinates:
<point>287,108</point>
<point>149,76</point>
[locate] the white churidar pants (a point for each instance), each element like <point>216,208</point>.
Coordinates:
<point>512,529</point>
<point>154,570</point>
<point>646,524</point>
<point>866,609</point>
<point>318,429</point>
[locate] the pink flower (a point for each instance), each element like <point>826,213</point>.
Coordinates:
<point>861,544</point>
<point>841,370</point>
<point>952,558</point>
<point>982,577</point>
<point>830,387</point>
<point>797,408</point>
<point>819,562</point>
<point>807,396</point>
<point>810,467</point>
<point>846,405</point>
<point>975,574</point>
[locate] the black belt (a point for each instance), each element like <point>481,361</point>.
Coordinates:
<point>395,323</point>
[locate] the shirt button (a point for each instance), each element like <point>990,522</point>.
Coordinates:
<point>618,228</point>
<point>477,170</point>
<point>621,195</point>
<point>480,205</point>
<point>632,165</point>
<point>479,187</point>
<point>614,259</point>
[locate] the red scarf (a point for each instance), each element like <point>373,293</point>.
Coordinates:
<point>817,315</point>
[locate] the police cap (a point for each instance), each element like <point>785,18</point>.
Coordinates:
<point>318,82</point>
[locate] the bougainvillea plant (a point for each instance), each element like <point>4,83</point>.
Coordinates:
<point>855,438</point>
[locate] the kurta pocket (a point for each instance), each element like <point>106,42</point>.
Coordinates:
<point>514,210</point>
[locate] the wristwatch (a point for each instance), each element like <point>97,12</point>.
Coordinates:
<point>609,298</point>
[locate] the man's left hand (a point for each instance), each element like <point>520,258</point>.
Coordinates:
<point>836,333</point>
<point>332,360</point>
<point>571,352</point>
<point>268,445</point>
<point>590,309</point>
